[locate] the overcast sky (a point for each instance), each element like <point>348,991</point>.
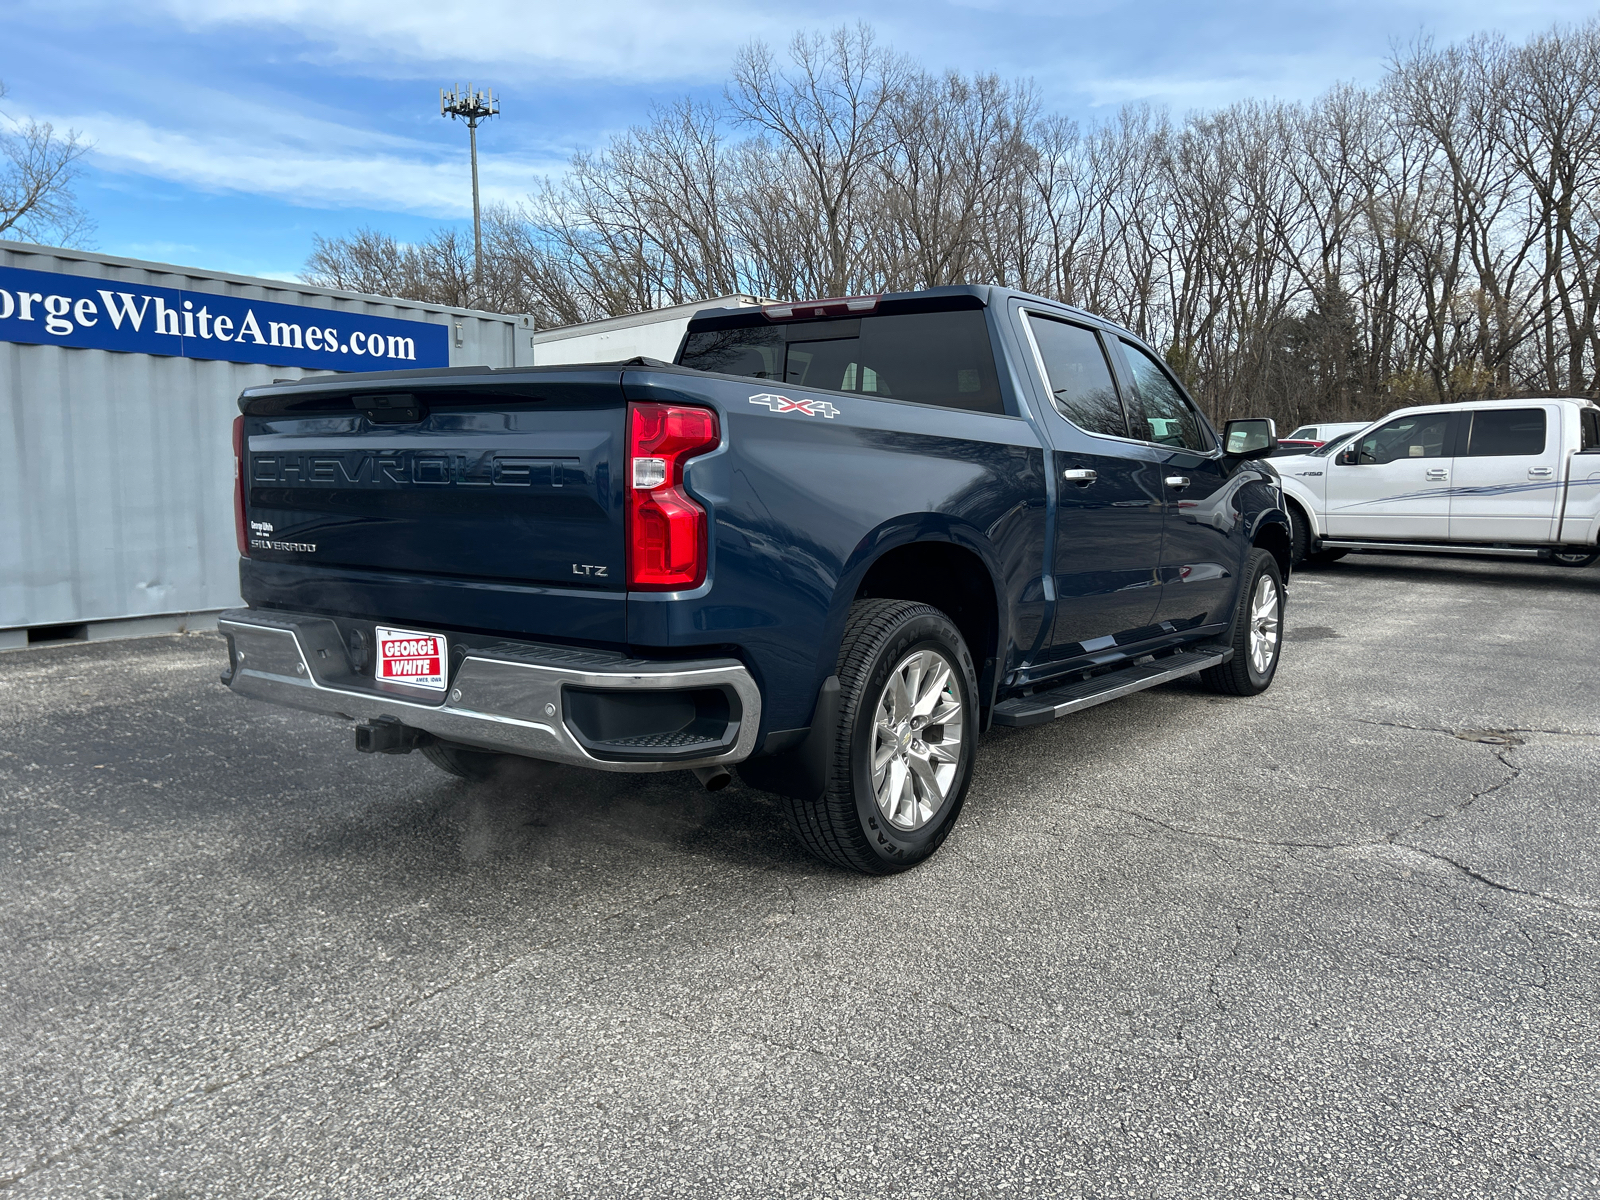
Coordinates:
<point>227,132</point>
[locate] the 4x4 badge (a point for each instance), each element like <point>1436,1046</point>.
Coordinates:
<point>782,404</point>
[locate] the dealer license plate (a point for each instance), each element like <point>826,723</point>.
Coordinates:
<point>407,656</point>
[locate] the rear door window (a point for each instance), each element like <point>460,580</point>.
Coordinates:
<point>941,358</point>
<point>1157,410</point>
<point>1506,432</point>
<point>1079,375</point>
<point>1590,426</point>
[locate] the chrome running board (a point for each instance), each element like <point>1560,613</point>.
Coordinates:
<point>1436,548</point>
<point>1098,689</point>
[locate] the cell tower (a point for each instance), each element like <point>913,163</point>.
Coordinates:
<point>472,107</point>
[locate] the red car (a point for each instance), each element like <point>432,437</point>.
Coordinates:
<point>1308,437</point>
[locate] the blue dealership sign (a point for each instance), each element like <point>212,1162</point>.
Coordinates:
<point>45,308</point>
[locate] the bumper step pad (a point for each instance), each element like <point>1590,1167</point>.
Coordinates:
<point>1086,693</point>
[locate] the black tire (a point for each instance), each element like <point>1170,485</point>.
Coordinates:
<point>1299,536</point>
<point>465,762</point>
<point>1239,675</point>
<point>1575,558</point>
<point>844,826</point>
<point>1300,542</point>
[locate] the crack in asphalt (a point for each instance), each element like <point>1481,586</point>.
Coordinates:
<point>1216,967</point>
<point>1288,708</point>
<point>1221,837</point>
<point>1472,799</point>
<point>1213,976</point>
<point>1402,725</point>
<point>1488,881</point>
<point>89,1143</point>
<point>47,1161</point>
<point>1393,839</point>
<point>979,1016</point>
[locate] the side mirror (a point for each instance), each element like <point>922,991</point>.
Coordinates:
<point>1250,437</point>
<point>1347,456</point>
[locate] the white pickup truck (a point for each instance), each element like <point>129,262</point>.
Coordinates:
<point>1512,477</point>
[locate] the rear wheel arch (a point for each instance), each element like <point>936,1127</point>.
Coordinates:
<point>1275,538</point>
<point>956,580</point>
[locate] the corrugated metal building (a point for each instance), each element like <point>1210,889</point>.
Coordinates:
<point>118,388</point>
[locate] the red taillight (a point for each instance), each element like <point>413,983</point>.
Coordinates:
<point>666,528</point>
<point>238,488</point>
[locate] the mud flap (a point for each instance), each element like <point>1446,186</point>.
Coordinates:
<point>801,772</point>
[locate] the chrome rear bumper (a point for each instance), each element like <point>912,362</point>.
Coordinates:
<point>506,696</point>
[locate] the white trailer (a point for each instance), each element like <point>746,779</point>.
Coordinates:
<point>655,334</point>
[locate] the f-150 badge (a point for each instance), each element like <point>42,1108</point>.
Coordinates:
<point>809,408</point>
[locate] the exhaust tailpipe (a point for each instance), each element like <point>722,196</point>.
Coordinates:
<point>715,778</point>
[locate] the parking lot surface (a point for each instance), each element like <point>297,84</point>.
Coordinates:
<point>1341,939</point>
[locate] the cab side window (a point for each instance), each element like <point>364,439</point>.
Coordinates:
<point>1504,432</point>
<point>1420,435</point>
<point>1157,411</point>
<point>1079,376</point>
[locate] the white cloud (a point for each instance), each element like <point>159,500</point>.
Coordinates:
<point>159,251</point>
<point>623,39</point>
<point>305,161</point>
<point>286,148</point>
<point>1286,77</point>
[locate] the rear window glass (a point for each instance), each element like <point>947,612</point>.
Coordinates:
<point>1506,432</point>
<point>942,358</point>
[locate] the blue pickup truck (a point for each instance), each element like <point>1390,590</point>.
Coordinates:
<point>828,547</point>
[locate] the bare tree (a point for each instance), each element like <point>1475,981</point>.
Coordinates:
<point>1436,236</point>
<point>831,113</point>
<point>438,269</point>
<point>38,168</point>
<point>1550,134</point>
<point>953,163</point>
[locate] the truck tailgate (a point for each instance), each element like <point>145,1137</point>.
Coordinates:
<point>513,483</point>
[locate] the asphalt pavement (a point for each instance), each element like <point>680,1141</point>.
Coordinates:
<point>1342,939</point>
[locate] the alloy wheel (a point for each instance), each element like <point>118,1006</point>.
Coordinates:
<point>1264,625</point>
<point>916,746</point>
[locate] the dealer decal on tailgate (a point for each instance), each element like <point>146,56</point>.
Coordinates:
<point>406,656</point>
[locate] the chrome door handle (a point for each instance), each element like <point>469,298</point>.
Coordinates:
<point>1540,472</point>
<point>1080,475</point>
<point>1177,481</point>
<point>1438,474</point>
